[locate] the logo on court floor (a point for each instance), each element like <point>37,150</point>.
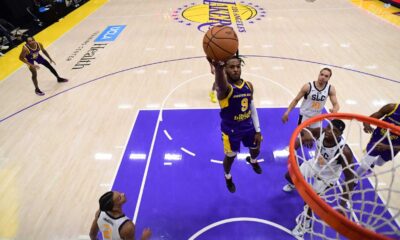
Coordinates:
<point>219,12</point>
<point>110,33</point>
<point>107,36</point>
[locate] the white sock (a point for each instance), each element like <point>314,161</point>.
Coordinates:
<point>253,160</point>
<point>228,176</point>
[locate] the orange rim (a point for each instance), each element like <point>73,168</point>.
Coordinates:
<point>334,219</point>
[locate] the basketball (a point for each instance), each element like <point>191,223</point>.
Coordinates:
<point>220,43</point>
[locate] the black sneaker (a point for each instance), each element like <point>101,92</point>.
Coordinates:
<point>230,185</point>
<point>62,80</point>
<point>38,92</point>
<point>255,166</point>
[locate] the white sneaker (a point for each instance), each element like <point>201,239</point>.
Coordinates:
<point>288,187</point>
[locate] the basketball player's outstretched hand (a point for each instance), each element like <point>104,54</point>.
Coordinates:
<point>285,118</point>
<point>146,234</point>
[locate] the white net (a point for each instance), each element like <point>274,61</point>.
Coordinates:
<point>363,185</point>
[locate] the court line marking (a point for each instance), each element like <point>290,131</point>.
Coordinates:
<point>216,161</point>
<point>173,91</point>
<point>183,59</point>
<point>324,64</point>
<point>125,147</point>
<point>272,81</point>
<point>146,170</point>
<point>167,135</point>
<point>259,161</point>
<point>240,219</point>
<point>188,152</point>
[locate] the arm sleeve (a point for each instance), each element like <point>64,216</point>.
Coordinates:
<point>254,117</point>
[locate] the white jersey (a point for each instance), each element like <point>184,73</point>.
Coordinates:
<point>324,170</point>
<point>327,161</point>
<point>110,226</point>
<point>314,101</point>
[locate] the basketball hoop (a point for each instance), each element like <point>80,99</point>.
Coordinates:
<point>363,221</point>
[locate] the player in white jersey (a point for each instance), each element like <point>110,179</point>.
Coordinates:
<point>332,158</point>
<point>315,95</point>
<point>112,222</point>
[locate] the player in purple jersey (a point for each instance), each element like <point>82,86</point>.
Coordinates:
<point>378,150</point>
<point>30,54</point>
<point>239,119</point>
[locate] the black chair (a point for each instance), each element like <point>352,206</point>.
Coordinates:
<point>8,34</point>
<point>35,18</point>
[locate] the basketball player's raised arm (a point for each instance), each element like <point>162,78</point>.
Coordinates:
<point>348,171</point>
<point>94,229</point>
<point>385,110</point>
<point>334,101</point>
<point>303,91</point>
<point>223,87</point>
<point>46,53</point>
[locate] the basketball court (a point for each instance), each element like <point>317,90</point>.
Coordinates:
<point>136,117</point>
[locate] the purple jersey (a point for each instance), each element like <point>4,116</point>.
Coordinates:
<point>33,53</point>
<point>235,109</point>
<point>394,118</point>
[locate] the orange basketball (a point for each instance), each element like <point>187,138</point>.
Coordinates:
<point>220,43</point>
